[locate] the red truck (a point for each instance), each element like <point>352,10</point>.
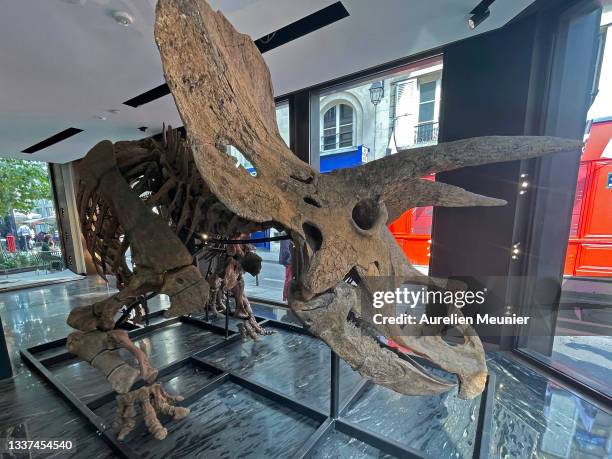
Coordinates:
<point>589,251</point>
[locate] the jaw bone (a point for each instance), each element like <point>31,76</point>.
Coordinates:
<point>326,317</point>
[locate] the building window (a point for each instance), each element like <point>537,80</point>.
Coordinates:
<point>427,101</point>
<point>415,121</point>
<point>338,127</point>
<point>427,129</point>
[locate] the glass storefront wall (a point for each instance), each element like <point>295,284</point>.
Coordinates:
<point>377,117</point>
<point>361,122</point>
<point>577,338</point>
<point>270,283</point>
<point>30,244</point>
<point>373,118</point>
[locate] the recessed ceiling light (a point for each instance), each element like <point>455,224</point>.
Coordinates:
<point>113,111</point>
<point>101,117</point>
<point>122,17</point>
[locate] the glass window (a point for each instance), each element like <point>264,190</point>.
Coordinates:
<point>282,120</point>
<point>425,132</point>
<point>346,126</point>
<point>427,92</point>
<point>30,244</point>
<point>337,127</point>
<point>426,112</point>
<point>270,284</point>
<point>329,119</point>
<point>360,123</point>
<point>329,129</point>
<point>570,328</point>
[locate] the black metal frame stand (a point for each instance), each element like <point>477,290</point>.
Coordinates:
<point>327,421</point>
<point>6,370</point>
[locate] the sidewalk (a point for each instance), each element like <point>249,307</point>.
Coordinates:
<point>576,290</point>
<point>268,257</point>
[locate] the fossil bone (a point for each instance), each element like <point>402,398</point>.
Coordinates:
<point>337,221</point>
<point>152,399</point>
<point>228,276</point>
<point>101,350</point>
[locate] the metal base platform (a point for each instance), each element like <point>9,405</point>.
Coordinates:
<point>328,421</point>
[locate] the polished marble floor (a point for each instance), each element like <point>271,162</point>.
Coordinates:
<point>228,422</point>
<point>533,416</point>
<point>29,279</point>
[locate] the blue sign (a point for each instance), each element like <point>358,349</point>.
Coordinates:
<point>342,160</point>
<point>609,184</point>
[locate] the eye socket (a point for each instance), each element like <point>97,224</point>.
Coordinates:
<point>366,214</point>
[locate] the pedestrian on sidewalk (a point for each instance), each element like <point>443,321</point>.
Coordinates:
<point>23,232</point>
<point>285,259</point>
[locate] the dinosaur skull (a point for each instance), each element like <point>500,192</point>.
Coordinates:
<point>338,221</point>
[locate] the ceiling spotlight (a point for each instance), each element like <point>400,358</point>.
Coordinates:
<point>479,14</point>
<point>476,19</point>
<point>122,17</point>
<point>101,117</point>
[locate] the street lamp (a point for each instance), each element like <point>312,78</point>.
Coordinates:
<point>377,92</point>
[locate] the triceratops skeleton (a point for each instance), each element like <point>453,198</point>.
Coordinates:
<point>337,221</point>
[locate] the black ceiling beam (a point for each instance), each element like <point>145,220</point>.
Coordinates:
<point>301,27</point>
<point>148,96</point>
<point>53,140</point>
<point>482,7</point>
<point>282,36</point>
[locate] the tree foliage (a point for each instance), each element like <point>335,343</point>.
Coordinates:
<point>21,184</point>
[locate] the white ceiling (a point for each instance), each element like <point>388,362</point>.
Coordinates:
<point>65,63</point>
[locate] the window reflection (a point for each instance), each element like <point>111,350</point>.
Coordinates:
<point>376,118</point>
<point>578,337</point>
<point>30,243</point>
